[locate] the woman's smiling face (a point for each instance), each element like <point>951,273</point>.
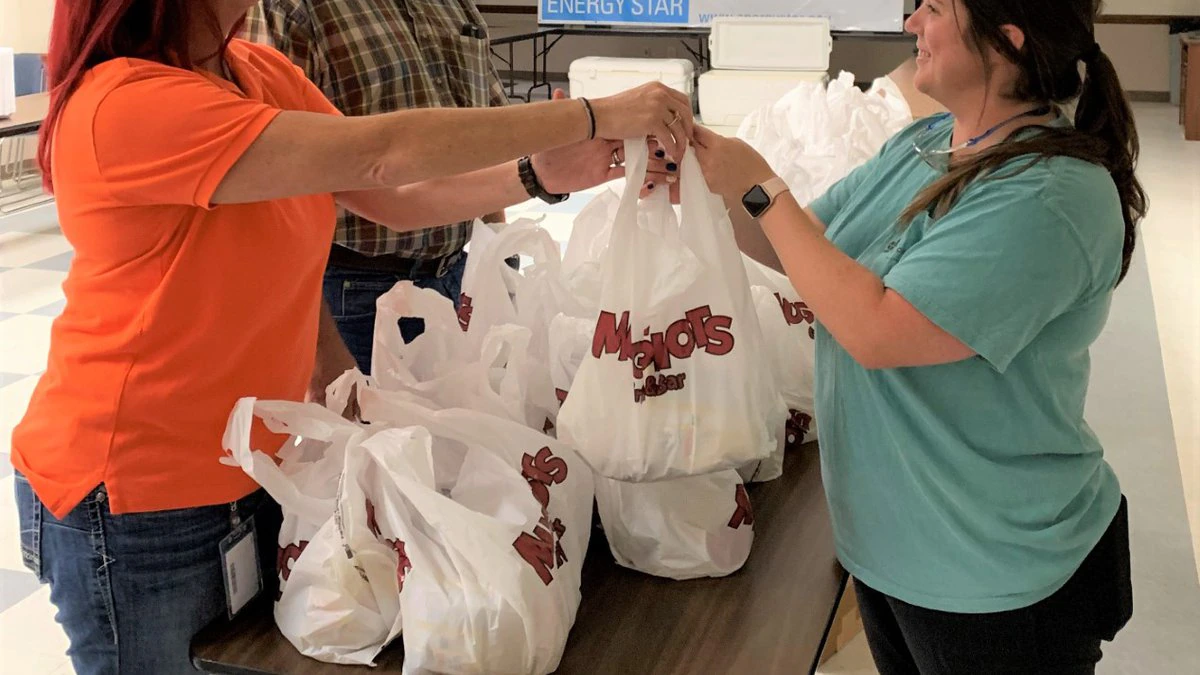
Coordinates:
<point>946,65</point>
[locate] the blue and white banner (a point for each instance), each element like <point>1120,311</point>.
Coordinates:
<point>653,12</point>
<point>843,15</point>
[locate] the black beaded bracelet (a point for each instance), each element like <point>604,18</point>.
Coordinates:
<point>587,105</point>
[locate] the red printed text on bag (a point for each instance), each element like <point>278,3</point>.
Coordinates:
<point>464,311</point>
<point>284,560</point>
<point>796,429</point>
<point>403,565</point>
<point>797,312</point>
<point>698,329</point>
<point>542,549</point>
<point>742,513</point>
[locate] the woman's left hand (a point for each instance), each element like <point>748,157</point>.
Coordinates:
<point>731,167</point>
<point>585,165</point>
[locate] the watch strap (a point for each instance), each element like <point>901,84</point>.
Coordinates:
<point>775,187</point>
<point>533,185</point>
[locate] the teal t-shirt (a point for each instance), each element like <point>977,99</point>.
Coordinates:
<point>974,486</point>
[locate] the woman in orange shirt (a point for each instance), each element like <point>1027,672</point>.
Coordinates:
<point>196,178</point>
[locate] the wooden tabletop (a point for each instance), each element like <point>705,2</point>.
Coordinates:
<point>31,110</point>
<point>770,617</point>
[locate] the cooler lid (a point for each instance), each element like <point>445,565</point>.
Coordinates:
<point>744,43</point>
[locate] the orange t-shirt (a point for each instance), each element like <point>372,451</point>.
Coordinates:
<point>176,308</point>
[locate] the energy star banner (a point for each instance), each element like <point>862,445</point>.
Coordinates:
<point>844,15</point>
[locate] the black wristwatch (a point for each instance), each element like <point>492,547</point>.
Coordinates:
<point>534,186</point>
<point>761,197</point>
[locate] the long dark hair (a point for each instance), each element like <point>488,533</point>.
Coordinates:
<point>1059,35</point>
<point>86,33</point>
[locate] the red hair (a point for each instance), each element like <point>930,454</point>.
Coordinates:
<point>86,33</point>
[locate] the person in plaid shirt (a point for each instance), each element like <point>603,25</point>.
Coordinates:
<point>378,56</point>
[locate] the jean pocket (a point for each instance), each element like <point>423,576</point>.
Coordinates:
<point>29,519</point>
<point>359,298</point>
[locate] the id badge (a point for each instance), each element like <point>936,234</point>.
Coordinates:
<point>240,565</point>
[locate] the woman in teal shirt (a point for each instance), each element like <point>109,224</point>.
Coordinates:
<point>959,279</point>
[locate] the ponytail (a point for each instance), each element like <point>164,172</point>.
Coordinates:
<point>1104,113</point>
<point>1104,134</point>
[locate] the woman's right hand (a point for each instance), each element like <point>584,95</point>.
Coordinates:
<point>652,109</point>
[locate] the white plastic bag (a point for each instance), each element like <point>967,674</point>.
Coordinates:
<point>590,233</point>
<point>441,348</point>
<point>570,342</point>
<point>699,526</point>
<point>481,533</point>
<point>504,377</point>
<point>494,294</point>
<point>324,608</point>
<point>678,529</point>
<point>815,135</point>
<point>328,611</point>
<point>305,480</point>
<point>887,89</point>
<point>789,327</point>
<point>674,384</point>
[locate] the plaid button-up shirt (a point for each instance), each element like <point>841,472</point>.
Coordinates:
<point>378,56</point>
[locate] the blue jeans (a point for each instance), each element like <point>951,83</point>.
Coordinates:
<point>351,295</point>
<point>132,590</point>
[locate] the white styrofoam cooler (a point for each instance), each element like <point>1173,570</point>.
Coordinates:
<point>8,83</point>
<point>728,96</point>
<point>770,44</point>
<point>599,76</point>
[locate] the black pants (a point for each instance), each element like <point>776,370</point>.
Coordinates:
<point>1060,635</point>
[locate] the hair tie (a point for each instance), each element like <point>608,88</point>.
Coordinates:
<point>1090,54</point>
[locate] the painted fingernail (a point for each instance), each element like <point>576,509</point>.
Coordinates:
<point>672,166</point>
<point>660,154</point>
<point>650,186</point>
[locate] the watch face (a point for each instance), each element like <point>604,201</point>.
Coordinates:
<point>756,201</point>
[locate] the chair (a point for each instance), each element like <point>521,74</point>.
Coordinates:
<point>23,188</point>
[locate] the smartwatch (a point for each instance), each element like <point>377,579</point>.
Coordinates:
<point>534,186</point>
<point>761,197</point>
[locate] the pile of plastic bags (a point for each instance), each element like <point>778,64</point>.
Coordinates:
<point>816,134</point>
<point>650,367</point>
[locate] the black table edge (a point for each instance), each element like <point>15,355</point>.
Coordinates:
<point>20,129</point>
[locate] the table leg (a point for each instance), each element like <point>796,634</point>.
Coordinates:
<point>512,69</point>
<point>541,75</point>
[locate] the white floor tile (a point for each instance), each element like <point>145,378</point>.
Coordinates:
<point>26,340</point>
<point>14,399</point>
<point>18,249</point>
<point>23,290</point>
<point>43,218</point>
<point>1170,172</point>
<point>10,539</point>
<point>31,642</point>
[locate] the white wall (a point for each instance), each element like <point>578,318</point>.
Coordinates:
<point>25,24</point>
<point>1144,7</point>
<point>1140,53</point>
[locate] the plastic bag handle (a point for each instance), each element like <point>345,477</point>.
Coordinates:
<point>637,160</point>
<point>405,300</point>
<point>309,420</point>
